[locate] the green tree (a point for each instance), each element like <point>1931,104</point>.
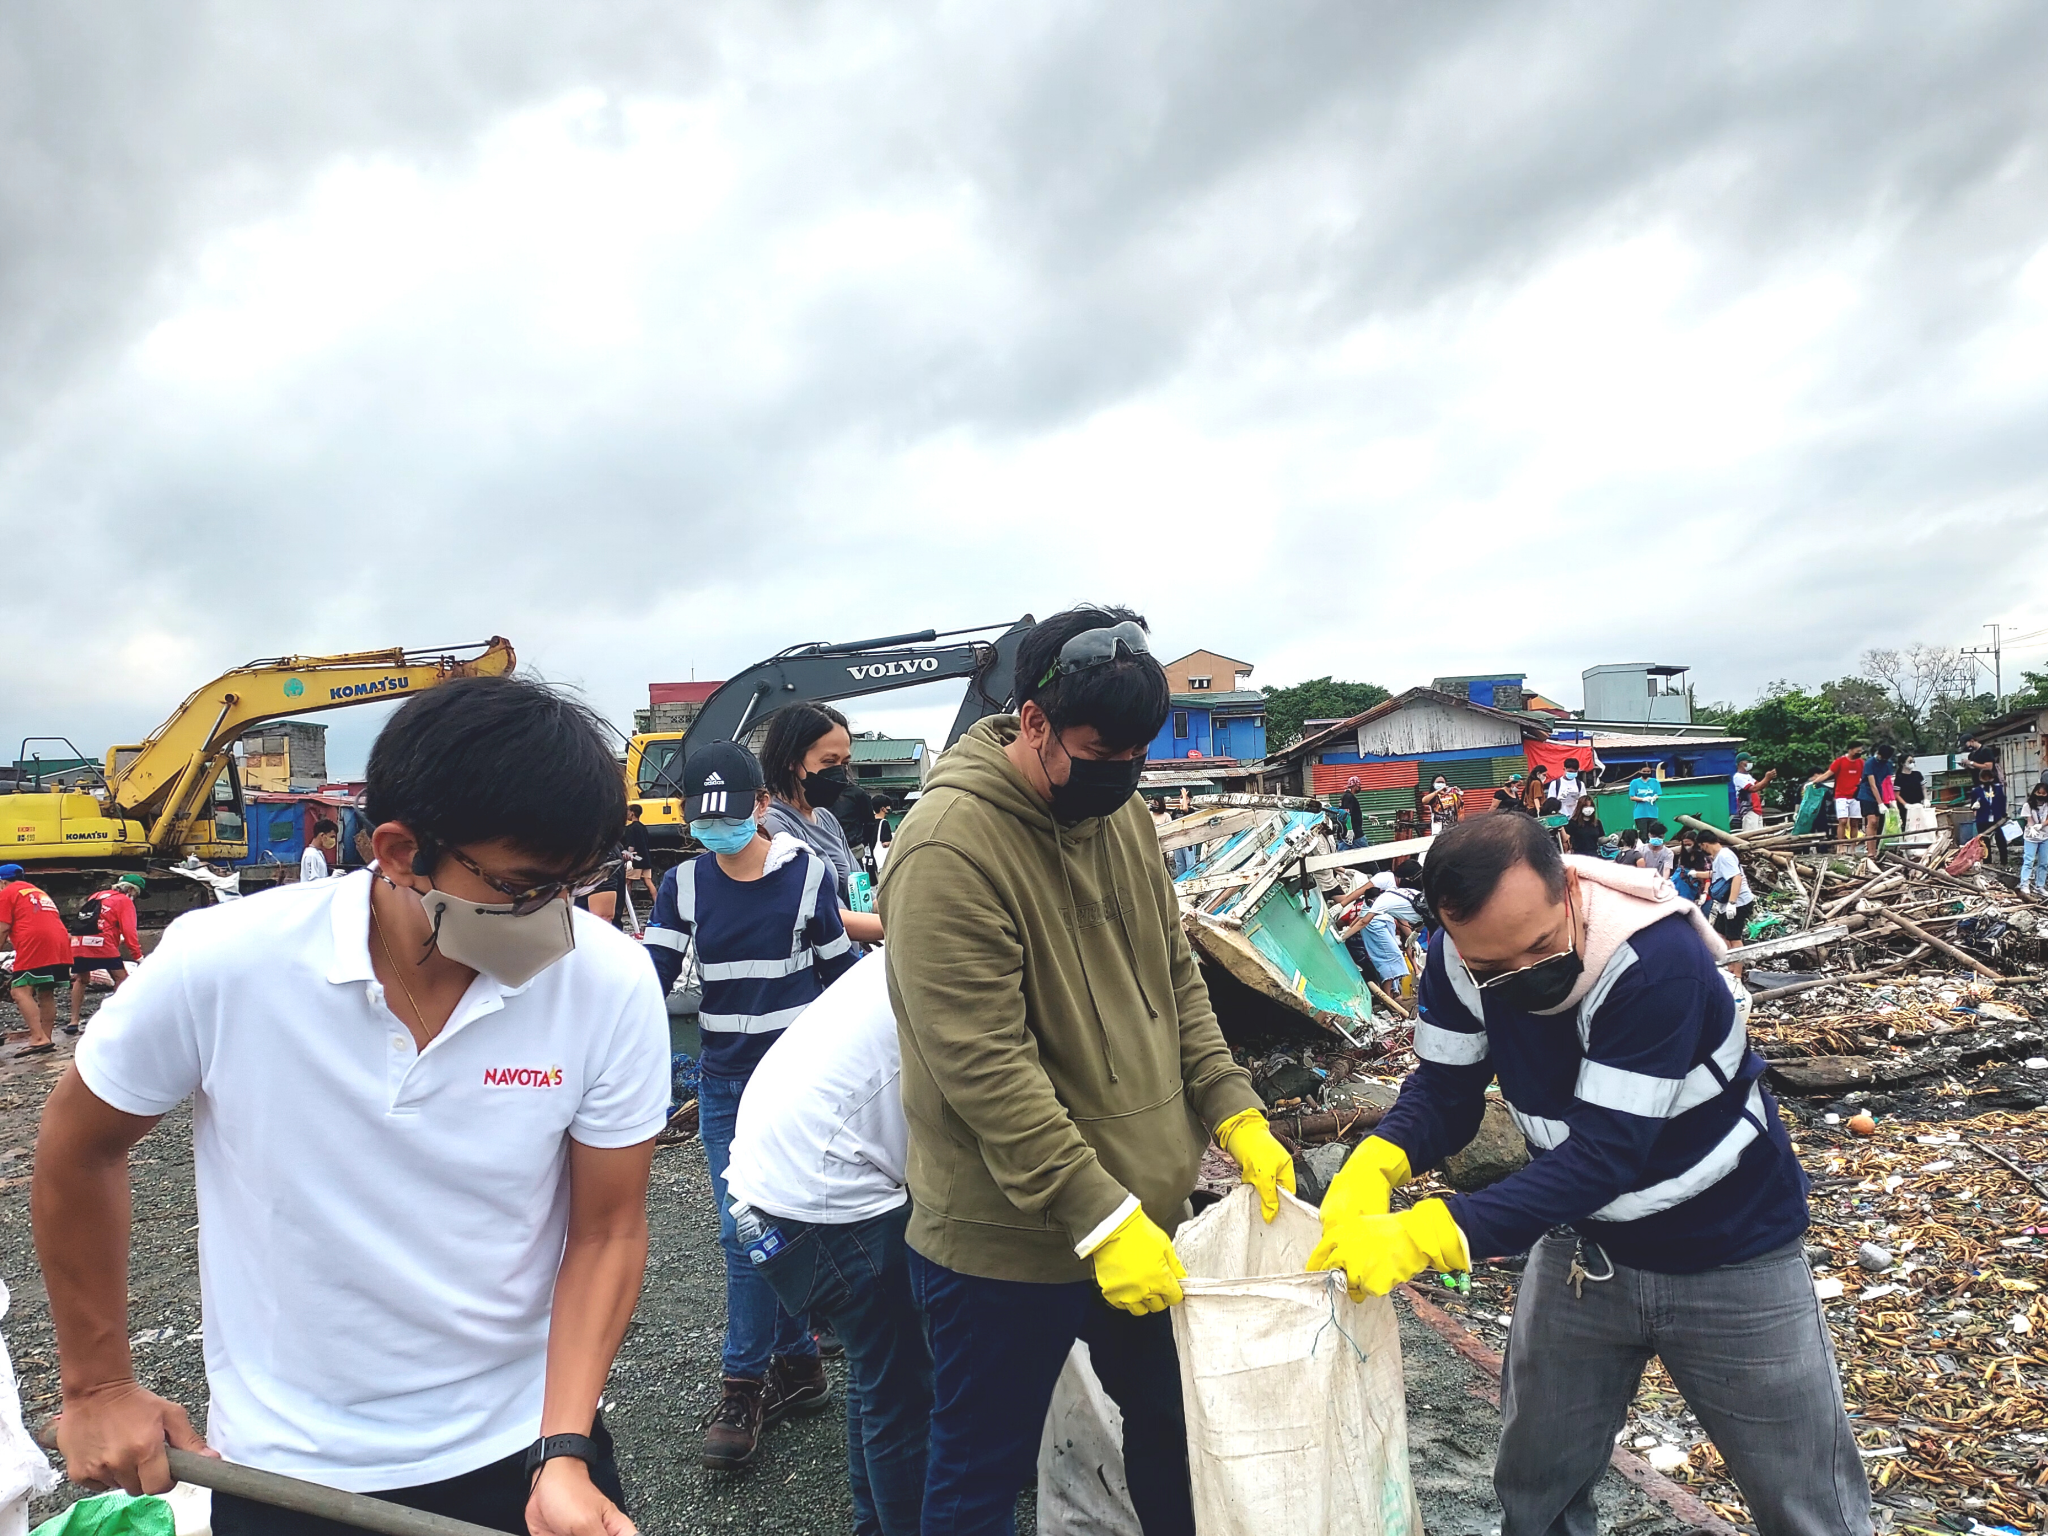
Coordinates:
<point>1796,732</point>
<point>2032,692</point>
<point>1320,698</point>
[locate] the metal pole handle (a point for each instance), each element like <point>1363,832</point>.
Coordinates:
<point>274,1488</point>
<point>356,1509</point>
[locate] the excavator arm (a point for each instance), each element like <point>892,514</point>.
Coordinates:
<point>820,673</point>
<point>162,781</point>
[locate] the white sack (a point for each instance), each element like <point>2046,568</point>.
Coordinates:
<point>1081,1488</point>
<point>1297,1417</point>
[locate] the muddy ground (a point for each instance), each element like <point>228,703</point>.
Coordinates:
<point>667,1372</point>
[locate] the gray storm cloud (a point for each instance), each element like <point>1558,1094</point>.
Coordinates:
<point>963,268</point>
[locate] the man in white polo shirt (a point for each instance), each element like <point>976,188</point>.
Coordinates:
<point>424,1102</point>
<point>816,1176</point>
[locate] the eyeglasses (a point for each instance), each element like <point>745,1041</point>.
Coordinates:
<point>1542,967</point>
<point>1097,648</point>
<point>528,899</point>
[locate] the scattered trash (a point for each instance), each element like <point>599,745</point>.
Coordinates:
<point>1666,1458</point>
<point>1863,1125</point>
<point>1829,1289</point>
<point>1873,1258</point>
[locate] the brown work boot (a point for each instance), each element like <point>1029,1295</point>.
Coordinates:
<point>796,1384</point>
<point>732,1434</point>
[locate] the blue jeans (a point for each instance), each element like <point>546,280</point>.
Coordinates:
<point>858,1276</point>
<point>756,1326</point>
<point>2034,864</point>
<point>998,1347</point>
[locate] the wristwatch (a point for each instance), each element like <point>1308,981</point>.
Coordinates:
<point>548,1447</point>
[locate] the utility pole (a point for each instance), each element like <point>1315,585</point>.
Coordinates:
<point>1995,651</point>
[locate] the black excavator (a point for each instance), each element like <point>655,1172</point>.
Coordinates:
<point>820,673</point>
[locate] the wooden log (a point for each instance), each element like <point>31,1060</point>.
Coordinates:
<point>1772,994</point>
<point>1868,888</point>
<point>1914,930</point>
<point>1792,874</point>
<point>1326,1125</point>
<point>1812,938</point>
<point>1814,1076</point>
<point>1820,878</point>
<point>1394,1004</point>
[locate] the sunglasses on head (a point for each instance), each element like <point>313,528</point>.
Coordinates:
<point>528,899</point>
<point>1097,648</point>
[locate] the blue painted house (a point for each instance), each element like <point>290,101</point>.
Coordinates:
<point>1225,725</point>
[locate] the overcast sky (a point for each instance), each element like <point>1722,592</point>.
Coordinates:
<point>1357,339</point>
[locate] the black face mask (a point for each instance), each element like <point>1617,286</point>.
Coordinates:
<point>1543,985</point>
<point>1094,787</point>
<point>824,788</point>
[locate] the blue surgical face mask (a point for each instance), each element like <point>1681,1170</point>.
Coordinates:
<point>724,834</point>
<point>1656,842</point>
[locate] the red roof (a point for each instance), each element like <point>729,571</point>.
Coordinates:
<point>681,693</point>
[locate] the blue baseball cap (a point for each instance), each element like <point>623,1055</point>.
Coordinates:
<point>10,871</point>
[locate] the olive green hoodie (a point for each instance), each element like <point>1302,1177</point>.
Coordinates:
<point>1059,1050</point>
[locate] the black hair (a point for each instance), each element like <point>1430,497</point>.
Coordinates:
<point>323,826</point>
<point>1885,753</point>
<point>479,758</point>
<point>1408,874</point>
<point>1125,699</point>
<point>1466,862</point>
<point>632,810</point>
<point>1658,829</point>
<point>1552,805</point>
<point>792,731</point>
<point>1629,838</point>
<point>1710,835</point>
<point>1572,763</point>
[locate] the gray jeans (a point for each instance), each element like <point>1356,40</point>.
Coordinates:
<point>1747,1345</point>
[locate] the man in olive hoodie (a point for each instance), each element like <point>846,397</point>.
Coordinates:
<point>1062,1073</point>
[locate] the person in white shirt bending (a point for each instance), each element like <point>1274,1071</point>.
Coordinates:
<point>817,1187</point>
<point>424,1099</point>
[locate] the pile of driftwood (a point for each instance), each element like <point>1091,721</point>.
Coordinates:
<point>1866,917</point>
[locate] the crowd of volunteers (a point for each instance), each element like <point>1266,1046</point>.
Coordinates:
<point>951,1136</point>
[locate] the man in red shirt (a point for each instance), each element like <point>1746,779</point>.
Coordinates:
<point>1847,772</point>
<point>101,934</point>
<point>42,955</point>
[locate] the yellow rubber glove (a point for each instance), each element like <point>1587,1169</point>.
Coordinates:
<point>1137,1268</point>
<point>1377,1253</point>
<point>1364,1186</point>
<point>1260,1157</point>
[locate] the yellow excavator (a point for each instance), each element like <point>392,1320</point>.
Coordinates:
<point>178,792</point>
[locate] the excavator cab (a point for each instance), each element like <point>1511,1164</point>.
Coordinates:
<point>222,837</point>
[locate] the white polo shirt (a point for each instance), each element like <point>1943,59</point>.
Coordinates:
<point>379,1227</point>
<point>821,1135</point>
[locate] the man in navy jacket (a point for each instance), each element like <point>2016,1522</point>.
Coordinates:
<point>1662,1207</point>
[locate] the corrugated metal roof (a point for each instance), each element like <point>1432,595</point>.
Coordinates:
<point>1210,700</point>
<point>1401,701</point>
<point>891,749</point>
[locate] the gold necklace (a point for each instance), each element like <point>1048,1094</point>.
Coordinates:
<point>378,929</point>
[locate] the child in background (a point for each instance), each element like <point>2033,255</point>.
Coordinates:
<point>763,913</point>
<point>1631,852</point>
<point>1656,857</point>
